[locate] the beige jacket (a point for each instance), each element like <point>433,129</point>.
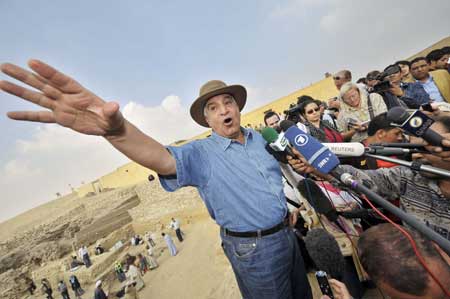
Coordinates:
<point>360,113</point>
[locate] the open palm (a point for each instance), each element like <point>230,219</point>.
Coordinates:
<point>68,102</point>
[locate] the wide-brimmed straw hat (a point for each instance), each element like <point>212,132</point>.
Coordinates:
<point>213,88</point>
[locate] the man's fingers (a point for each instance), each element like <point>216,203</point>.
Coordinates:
<point>56,78</point>
<point>30,79</point>
<point>36,116</point>
<point>26,94</point>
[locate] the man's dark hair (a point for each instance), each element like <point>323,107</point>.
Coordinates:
<point>446,50</point>
<point>373,75</point>
<point>303,98</point>
<point>268,115</point>
<point>444,120</point>
<point>418,59</point>
<point>403,62</point>
<point>387,256</point>
<point>347,74</point>
<point>320,103</point>
<point>379,122</point>
<point>361,80</point>
<point>435,55</point>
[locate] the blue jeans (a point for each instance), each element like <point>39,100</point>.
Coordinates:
<point>268,267</point>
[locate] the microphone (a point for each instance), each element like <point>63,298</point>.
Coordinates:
<point>276,141</point>
<point>416,123</point>
<point>400,144</point>
<point>328,163</point>
<point>318,156</point>
<point>346,149</point>
<point>355,149</point>
<point>324,250</point>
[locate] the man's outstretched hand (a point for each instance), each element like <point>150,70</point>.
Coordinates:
<point>67,102</point>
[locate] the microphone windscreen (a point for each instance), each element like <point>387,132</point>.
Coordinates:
<point>269,134</point>
<point>286,124</point>
<point>325,252</point>
<point>397,115</point>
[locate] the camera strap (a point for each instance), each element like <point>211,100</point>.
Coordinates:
<point>370,108</point>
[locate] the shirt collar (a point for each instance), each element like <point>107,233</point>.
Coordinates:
<point>226,142</point>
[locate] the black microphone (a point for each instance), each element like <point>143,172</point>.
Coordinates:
<point>400,144</point>
<point>416,123</point>
<point>390,151</point>
<point>324,250</point>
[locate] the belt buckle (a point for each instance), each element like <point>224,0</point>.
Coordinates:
<point>258,234</point>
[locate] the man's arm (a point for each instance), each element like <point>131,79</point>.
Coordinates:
<point>71,105</point>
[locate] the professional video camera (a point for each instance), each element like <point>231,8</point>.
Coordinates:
<point>383,77</point>
<point>293,113</point>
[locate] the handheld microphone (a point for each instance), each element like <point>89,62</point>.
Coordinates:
<point>390,151</point>
<point>277,141</point>
<point>417,123</point>
<point>318,156</point>
<point>346,149</point>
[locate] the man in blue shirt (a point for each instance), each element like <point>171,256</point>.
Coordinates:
<point>237,179</point>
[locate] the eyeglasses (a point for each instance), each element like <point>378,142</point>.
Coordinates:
<point>337,78</point>
<point>312,111</point>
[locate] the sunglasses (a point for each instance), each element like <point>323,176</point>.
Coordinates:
<point>312,111</point>
<point>337,78</point>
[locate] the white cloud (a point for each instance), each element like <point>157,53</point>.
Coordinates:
<point>55,157</point>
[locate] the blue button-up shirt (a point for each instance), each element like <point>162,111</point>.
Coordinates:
<point>241,184</point>
<point>415,95</point>
<point>432,90</point>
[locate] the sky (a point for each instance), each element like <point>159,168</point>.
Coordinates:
<point>153,56</point>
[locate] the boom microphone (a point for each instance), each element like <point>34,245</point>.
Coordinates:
<point>416,123</point>
<point>325,252</point>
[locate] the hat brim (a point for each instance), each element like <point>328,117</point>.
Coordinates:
<point>237,91</point>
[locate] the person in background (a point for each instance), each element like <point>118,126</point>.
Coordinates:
<point>357,109</point>
<point>405,66</point>
<point>175,225</point>
<point>46,288</point>
<point>76,286</point>
<point>153,264</point>
<point>388,258</point>
<point>310,111</point>
<point>342,77</point>
<point>120,273</point>
<point>380,130</point>
<point>272,120</point>
<point>170,244</point>
<point>412,94</point>
<point>437,59</point>
<point>436,83</point>
<point>98,292</point>
<point>372,79</point>
<point>62,288</point>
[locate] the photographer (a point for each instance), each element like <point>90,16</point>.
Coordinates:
<point>412,94</point>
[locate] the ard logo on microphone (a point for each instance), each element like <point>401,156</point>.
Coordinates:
<point>301,139</point>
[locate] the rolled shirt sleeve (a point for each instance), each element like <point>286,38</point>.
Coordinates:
<point>192,165</point>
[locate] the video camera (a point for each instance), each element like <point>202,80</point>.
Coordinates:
<point>293,113</point>
<point>384,84</point>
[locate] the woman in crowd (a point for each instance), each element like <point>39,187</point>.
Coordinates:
<point>321,130</point>
<point>357,109</point>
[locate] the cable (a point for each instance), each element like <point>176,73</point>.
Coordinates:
<point>412,242</point>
